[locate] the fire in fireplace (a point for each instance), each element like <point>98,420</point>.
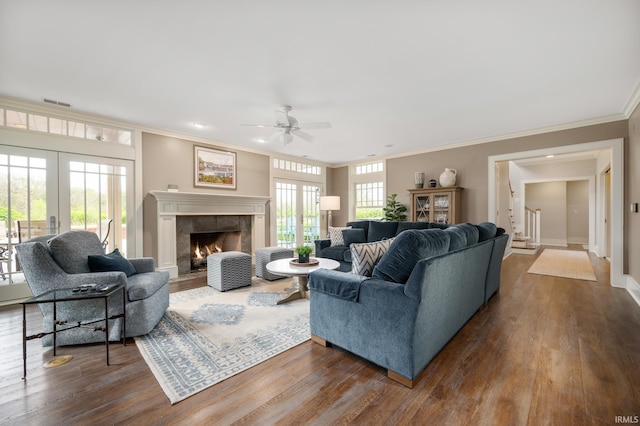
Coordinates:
<point>205,243</point>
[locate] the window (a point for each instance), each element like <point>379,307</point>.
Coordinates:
<point>369,200</point>
<point>363,169</point>
<point>57,126</point>
<point>294,166</point>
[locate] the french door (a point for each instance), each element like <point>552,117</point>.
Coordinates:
<point>297,213</point>
<point>47,192</point>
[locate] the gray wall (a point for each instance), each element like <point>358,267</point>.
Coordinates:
<point>578,211</point>
<point>551,199</point>
<point>632,187</point>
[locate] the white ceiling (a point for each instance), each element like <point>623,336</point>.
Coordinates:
<point>391,77</point>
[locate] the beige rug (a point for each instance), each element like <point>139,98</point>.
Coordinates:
<point>565,264</point>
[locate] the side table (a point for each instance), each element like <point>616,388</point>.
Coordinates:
<point>68,295</point>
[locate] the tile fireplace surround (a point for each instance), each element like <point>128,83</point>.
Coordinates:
<point>162,208</point>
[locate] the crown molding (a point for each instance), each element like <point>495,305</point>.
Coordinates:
<point>633,101</point>
<point>538,131</point>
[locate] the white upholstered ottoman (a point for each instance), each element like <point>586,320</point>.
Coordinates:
<point>228,270</point>
<point>269,254</point>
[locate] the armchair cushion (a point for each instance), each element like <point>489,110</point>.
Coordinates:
<point>110,262</point>
<point>486,230</point>
<point>406,250</point>
<point>142,286</point>
<point>457,237</point>
<point>72,249</point>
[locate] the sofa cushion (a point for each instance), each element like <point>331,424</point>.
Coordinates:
<point>379,231</point>
<point>354,235</point>
<point>403,226</point>
<point>457,236</point>
<point>335,234</point>
<point>365,256</point>
<point>335,252</point>
<point>360,224</point>
<point>110,262</point>
<point>437,225</point>
<point>407,249</point>
<point>471,231</point>
<point>486,230</point>
<point>72,249</point>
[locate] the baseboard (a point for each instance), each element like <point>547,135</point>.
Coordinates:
<point>634,289</point>
<point>557,242</point>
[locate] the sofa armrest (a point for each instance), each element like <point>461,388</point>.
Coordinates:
<point>111,277</point>
<point>322,244</point>
<point>143,264</point>
<point>342,285</point>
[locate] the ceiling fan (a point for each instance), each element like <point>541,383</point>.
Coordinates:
<point>288,126</point>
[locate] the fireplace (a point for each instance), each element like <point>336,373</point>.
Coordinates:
<point>199,236</point>
<point>202,244</point>
<point>171,217</point>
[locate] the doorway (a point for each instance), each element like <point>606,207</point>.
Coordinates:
<point>297,213</point>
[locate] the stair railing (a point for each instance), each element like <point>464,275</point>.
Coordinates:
<point>532,225</point>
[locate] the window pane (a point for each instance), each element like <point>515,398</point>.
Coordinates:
<point>94,132</point>
<point>16,119</point>
<point>76,129</point>
<point>124,137</point>
<point>109,135</point>
<point>1,117</point>
<point>57,126</point>
<point>38,123</point>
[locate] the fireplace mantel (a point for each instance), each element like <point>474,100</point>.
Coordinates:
<point>169,204</point>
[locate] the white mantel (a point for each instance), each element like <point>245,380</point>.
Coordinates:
<point>172,204</point>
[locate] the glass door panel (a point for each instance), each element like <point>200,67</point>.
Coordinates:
<point>28,208</point>
<point>297,213</point>
<point>97,192</point>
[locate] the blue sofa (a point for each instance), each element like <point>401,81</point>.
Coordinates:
<point>423,290</point>
<point>364,231</point>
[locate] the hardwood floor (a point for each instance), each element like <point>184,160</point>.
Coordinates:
<point>545,350</point>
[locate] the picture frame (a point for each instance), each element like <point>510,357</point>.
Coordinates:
<point>214,168</point>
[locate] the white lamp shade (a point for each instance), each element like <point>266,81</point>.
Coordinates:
<point>330,202</point>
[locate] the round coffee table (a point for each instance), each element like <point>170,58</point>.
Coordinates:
<point>285,268</point>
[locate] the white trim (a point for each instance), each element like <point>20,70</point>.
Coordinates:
<point>617,277</point>
<point>633,101</point>
<point>634,289</point>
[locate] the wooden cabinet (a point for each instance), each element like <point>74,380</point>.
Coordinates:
<point>436,204</point>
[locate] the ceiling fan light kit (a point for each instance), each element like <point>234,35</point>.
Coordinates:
<point>288,126</point>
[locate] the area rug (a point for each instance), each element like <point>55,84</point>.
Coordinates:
<point>207,336</point>
<point>565,264</point>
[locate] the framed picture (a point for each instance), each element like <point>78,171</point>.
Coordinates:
<point>214,168</point>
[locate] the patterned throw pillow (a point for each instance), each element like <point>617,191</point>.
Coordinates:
<point>335,234</point>
<point>365,256</point>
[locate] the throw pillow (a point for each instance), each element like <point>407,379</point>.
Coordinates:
<point>407,249</point>
<point>365,256</point>
<point>111,262</point>
<point>335,234</point>
<point>354,235</point>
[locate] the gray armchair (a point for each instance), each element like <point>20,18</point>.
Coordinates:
<point>62,261</point>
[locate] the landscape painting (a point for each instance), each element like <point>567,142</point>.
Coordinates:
<point>214,168</point>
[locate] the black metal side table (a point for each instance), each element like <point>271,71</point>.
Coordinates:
<point>69,295</point>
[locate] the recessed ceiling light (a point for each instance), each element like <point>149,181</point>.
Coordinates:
<point>259,140</point>
<point>388,145</point>
<point>371,155</point>
<point>550,156</point>
<point>199,125</point>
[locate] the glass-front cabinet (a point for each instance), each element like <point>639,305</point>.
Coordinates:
<point>441,205</point>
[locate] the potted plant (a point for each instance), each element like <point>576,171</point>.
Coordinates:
<point>303,253</point>
<point>394,211</point>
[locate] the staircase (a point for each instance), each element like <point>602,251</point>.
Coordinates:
<point>527,240</point>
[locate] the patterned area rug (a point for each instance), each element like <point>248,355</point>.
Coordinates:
<point>207,336</point>
<point>565,264</point>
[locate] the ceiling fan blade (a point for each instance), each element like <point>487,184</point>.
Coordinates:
<point>286,137</point>
<point>322,125</point>
<point>258,125</point>
<point>306,136</point>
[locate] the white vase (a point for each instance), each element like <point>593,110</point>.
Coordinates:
<point>419,179</point>
<point>448,177</point>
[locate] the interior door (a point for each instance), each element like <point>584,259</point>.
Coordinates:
<point>297,213</point>
<point>28,208</point>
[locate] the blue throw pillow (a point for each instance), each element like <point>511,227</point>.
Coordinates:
<point>471,231</point>
<point>407,249</point>
<point>111,262</point>
<point>353,235</point>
